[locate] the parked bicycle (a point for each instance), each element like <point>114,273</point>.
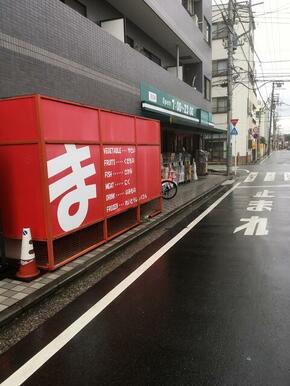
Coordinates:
<point>169,189</point>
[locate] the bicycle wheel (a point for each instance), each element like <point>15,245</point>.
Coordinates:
<point>169,189</point>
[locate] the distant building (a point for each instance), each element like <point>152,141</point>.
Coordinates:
<point>245,103</point>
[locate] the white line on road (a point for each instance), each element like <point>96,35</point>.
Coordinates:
<point>251,177</point>
<point>39,359</point>
<point>264,160</point>
<point>263,186</point>
<point>287,176</point>
<point>228,182</point>
<point>270,176</point>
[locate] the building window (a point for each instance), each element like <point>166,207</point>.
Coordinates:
<point>207,89</point>
<point>219,67</point>
<point>219,30</point>
<point>77,6</point>
<point>189,6</point>
<point>130,41</point>
<point>207,31</point>
<point>151,56</point>
<point>220,105</point>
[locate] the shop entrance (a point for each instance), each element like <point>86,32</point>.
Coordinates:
<point>178,150</point>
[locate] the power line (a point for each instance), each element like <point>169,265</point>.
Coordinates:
<point>253,48</point>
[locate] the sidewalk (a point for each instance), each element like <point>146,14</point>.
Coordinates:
<point>16,295</point>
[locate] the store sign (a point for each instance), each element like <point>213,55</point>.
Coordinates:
<point>75,186</point>
<point>152,95</point>
<point>72,188</point>
<point>205,117</point>
<point>88,182</point>
<point>120,178</point>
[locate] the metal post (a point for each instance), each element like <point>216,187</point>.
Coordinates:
<point>177,61</point>
<point>271,115</point>
<point>230,84</point>
<point>275,141</point>
<point>235,155</point>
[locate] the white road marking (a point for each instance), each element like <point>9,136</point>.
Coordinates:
<point>228,182</point>
<point>251,177</point>
<point>39,359</point>
<point>263,186</point>
<point>286,176</point>
<point>254,226</point>
<point>270,176</point>
<point>264,160</point>
<point>244,170</point>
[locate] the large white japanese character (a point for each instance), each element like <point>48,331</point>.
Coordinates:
<point>81,194</point>
<point>264,194</point>
<point>254,226</point>
<point>260,206</point>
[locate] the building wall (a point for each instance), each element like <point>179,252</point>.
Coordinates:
<point>243,94</point>
<point>46,47</point>
<point>183,25</point>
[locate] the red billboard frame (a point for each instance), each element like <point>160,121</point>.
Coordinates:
<point>31,127</point>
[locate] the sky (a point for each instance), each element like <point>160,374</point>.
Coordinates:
<point>272,44</point>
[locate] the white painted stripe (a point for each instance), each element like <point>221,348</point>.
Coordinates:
<point>264,160</point>
<point>244,170</point>
<point>228,182</point>
<point>270,176</point>
<point>148,106</point>
<point>39,359</point>
<point>251,177</point>
<point>264,186</point>
<point>286,176</point>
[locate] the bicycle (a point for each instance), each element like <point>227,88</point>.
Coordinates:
<point>169,189</point>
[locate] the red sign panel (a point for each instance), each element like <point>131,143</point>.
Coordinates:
<point>234,122</point>
<point>66,122</point>
<point>98,164</point>
<point>149,179</point>
<point>119,178</point>
<point>117,128</point>
<point>75,186</point>
<point>20,191</point>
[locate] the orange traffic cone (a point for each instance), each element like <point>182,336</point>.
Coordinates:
<point>28,269</point>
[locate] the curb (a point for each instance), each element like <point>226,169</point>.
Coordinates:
<point>92,263</point>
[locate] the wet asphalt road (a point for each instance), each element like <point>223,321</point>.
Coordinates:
<point>213,310</point>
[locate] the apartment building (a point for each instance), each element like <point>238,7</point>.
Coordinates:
<point>144,57</point>
<point>245,103</point>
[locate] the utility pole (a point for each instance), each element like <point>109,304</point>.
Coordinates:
<point>271,116</point>
<point>275,130</point>
<point>230,47</point>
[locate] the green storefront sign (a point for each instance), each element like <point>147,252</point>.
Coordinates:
<point>157,101</point>
<point>205,117</point>
<point>155,97</point>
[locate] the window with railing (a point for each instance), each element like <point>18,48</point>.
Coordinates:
<point>151,56</point>
<point>219,30</point>
<point>219,105</point>
<point>207,31</point>
<point>219,67</point>
<point>189,6</point>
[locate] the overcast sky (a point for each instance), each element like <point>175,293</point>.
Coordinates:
<point>272,44</point>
